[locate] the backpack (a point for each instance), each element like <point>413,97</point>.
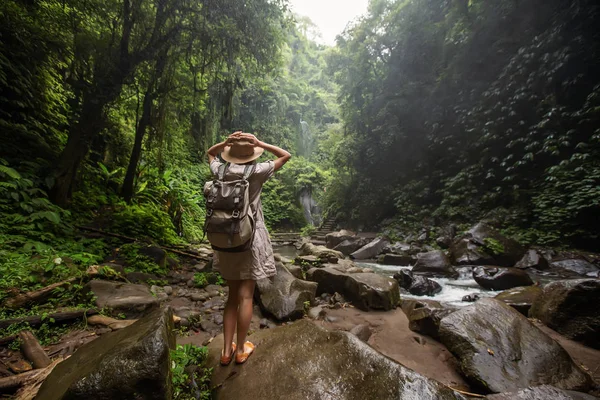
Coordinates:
<point>229,223</point>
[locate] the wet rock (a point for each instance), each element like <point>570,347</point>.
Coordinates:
<point>581,267</point>
<point>470,298</point>
<point>444,242</point>
<point>362,331</point>
<point>334,238</point>
<point>424,316</point>
<point>139,277</point>
<point>122,297</point>
<point>570,307</point>
<point>396,259</point>
<point>123,365</point>
<point>308,261</point>
<point>321,252</point>
<point>434,263</point>
<point>201,296</point>
<point>314,362</point>
<point>499,350</point>
<point>266,324</point>
<point>295,270</point>
<point>366,291</point>
<point>416,284</point>
<point>283,296</point>
<point>370,250</point>
<point>210,327</point>
<point>316,312</point>
<point>533,259</point>
<point>348,247</point>
<point>498,278</point>
<point>157,254</point>
<point>485,246</point>
<point>520,298</point>
<point>544,392</point>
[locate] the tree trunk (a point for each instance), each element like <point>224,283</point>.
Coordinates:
<point>136,152</point>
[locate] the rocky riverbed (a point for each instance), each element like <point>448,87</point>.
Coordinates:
<point>434,320</point>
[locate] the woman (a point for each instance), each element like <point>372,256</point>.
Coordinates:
<point>242,270</point>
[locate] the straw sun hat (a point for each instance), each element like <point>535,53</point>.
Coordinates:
<point>241,151</point>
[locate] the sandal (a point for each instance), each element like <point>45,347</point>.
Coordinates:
<point>241,358</point>
<point>226,360</point>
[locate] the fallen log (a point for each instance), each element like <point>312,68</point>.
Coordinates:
<point>37,320</point>
<point>34,378</point>
<point>36,296</point>
<point>130,239</point>
<point>7,339</point>
<point>13,382</point>
<point>33,351</point>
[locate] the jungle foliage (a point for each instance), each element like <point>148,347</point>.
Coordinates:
<point>469,109</point>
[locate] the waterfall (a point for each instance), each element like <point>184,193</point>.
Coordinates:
<point>310,207</point>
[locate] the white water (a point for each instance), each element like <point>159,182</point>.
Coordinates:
<point>452,292</point>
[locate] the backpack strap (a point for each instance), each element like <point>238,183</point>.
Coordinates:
<point>222,171</point>
<point>248,171</point>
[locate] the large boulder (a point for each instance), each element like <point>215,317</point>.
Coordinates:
<point>334,238</point>
<point>581,267</point>
<point>520,298</point>
<point>495,278</point>
<point>119,297</point>
<point>544,392</point>
<point>396,259</point>
<point>283,296</point>
<point>499,350</point>
<point>131,363</point>
<point>570,307</point>
<point>365,290</point>
<point>434,263</point>
<point>424,316</point>
<point>302,361</point>
<point>533,259</point>
<point>485,246</point>
<point>370,250</point>
<point>348,247</point>
<point>416,284</point>
<point>321,252</point>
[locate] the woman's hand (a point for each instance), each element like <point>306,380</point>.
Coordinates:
<point>251,138</point>
<point>234,136</point>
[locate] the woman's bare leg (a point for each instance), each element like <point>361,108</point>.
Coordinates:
<point>246,291</point>
<point>230,314</point>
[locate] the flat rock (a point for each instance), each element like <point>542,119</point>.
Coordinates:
<point>570,307</point>
<point>499,350</point>
<point>581,267</point>
<point>132,363</point>
<point>302,361</point>
<point>334,238</point>
<point>321,252</point>
<point>349,246</point>
<point>365,290</point>
<point>284,296</point>
<point>544,392</point>
<point>370,250</point>
<point>520,298</point>
<point>122,297</point>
